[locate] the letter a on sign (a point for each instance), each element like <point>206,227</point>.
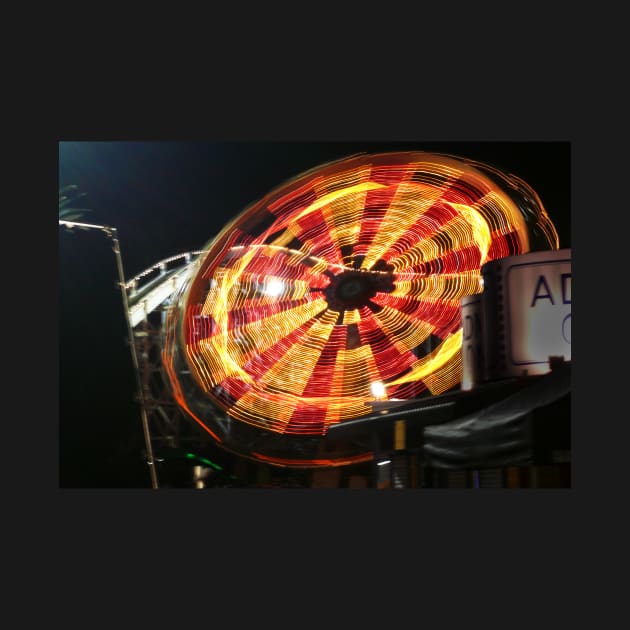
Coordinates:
<point>541,296</point>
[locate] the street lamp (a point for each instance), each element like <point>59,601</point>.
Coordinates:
<point>112,233</point>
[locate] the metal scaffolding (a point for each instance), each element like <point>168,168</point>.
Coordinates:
<point>146,298</point>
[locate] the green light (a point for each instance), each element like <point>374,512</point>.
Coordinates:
<point>204,461</point>
<point>207,461</point>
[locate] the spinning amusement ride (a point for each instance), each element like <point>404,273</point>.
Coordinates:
<point>337,291</point>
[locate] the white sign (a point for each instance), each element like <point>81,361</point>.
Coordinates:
<point>538,301</point>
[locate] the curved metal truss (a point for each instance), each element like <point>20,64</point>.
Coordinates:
<point>149,297</point>
<point>155,285</point>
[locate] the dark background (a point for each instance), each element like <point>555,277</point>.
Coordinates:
<point>166,198</point>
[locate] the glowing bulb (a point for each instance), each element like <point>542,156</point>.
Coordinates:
<point>378,390</point>
<point>274,288</point>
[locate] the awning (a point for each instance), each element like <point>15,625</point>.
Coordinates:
<point>519,429</point>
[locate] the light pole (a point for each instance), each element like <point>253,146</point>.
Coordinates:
<point>112,233</point>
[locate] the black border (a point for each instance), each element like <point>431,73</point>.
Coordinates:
<point>527,545</point>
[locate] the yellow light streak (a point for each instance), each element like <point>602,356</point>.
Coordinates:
<point>410,201</point>
<point>450,348</point>
<point>337,194</point>
<point>294,369</point>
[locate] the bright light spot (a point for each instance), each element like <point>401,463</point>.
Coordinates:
<point>387,461</point>
<point>378,389</point>
<point>274,288</point>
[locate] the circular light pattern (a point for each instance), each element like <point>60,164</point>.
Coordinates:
<point>340,288</point>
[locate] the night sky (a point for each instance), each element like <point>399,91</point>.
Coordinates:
<point>166,198</point>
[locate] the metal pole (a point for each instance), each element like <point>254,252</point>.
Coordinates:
<point>112,233</point>
<point>134,357</point>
